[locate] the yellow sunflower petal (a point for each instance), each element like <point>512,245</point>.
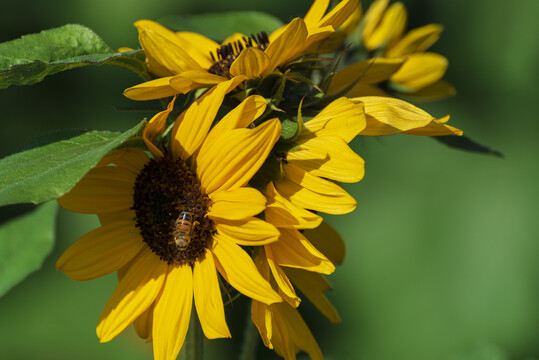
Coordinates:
<point>251,62</point>
<point>361,89</point>
<point>436,127</point>
<point>289,44</point>
<point>283,214</point>
<point>102,190</point>
<point>342,118</point>
<point>261,317</point>
<point>237,204</point>
<point>313,286</point>
<point>155,128</point>
<point>234,38</point>
<point>193,124</point>
<point>310,192</point>
<point>134,294</point>
<point>339,14</point>
<point>386,116</point>
<point>340,163</point>
<point>294,250</point>
<point>250,231</point>
<point>101,251</point>
<point>439,90</point>
<point>150,90</point>
<point>167,52</point>
<point>198,47</point>
<point>316,12</point>
<point>132,160</point>
<point>125,215</point>
<point>172,313</point>
<point>153,66</point>
<point>286,290</point>
<point>194,79</point>
<point>260,312</point>
<point>239,117</point>
<point>208,301</point>
<point>372,71</point>
<point>391,26</point>
<point>416,40</point>
<point>316,40</point>
<point>420,70</point>
<point>294,334</point>
<point>239,271</point>
<point>372,18</point>
<point>326,239</point>
<point>143,324</point>
<point>231,160</point>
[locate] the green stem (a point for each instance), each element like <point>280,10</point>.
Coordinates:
<point>250,340</point>
<point>193,348</point>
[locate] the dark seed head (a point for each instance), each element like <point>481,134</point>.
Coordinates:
<point>171,211</point>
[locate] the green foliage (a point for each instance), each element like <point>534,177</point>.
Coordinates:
<point>25,242</point>
<point>219,26</point>
<point>47,172</point>
<point>28,60</point>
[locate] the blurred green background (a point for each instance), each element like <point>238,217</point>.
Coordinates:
<point>442,249</point>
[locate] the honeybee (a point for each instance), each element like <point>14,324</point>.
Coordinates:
<point>182,229</point>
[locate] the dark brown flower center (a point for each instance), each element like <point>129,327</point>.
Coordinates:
<point>226,54</point>
<point>171,211</point>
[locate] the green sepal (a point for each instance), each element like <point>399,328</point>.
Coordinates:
<point>25,242</point>
<point>219,26</point>
<point>271,170</point>
<point>289,129</point>
<point>29,59</point>
<point>47,172</point>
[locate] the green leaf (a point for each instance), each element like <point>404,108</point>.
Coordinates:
<point>219,26</point>
<point>289,129</point>
<point>47,172</point>
<point>25,242</point>
<point>28,60</point>
<point>467,144</point>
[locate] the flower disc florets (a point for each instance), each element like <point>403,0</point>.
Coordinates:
<point>227,53</point>
<point>171,211</point>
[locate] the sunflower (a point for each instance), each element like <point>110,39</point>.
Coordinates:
<point>184,61</point>
<point>172,221</point>
<point>401,58</point>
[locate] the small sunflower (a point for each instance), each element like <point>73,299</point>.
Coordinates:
<point>320,155</point>
<point>400,58</point>
<point>171,222</point>
<point>185,60</point>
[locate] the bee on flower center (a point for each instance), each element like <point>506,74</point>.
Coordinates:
<point>182,230</point>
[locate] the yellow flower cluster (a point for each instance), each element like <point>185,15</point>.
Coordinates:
<point>236,195</point>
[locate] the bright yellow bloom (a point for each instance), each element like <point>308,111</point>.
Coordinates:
<point>320,156</point>
<point>185,61</point>
<point>401,58</point>
<point>171,222</point>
